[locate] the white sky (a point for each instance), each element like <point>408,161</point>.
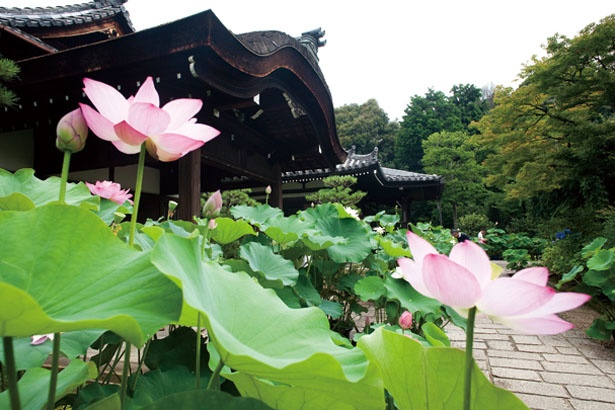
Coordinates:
<point>394,49</point>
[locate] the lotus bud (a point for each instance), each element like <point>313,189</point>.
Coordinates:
<point>405,320</point>
<point>212,207</point>
<point>268,190</point>
<point>212,224</point>
<point>72,132</point>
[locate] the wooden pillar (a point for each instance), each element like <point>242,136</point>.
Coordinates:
<point>276,198</point>
<point>189,186</point>
<point>405,210</point>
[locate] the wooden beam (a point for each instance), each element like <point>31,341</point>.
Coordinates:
<point>223,152</point>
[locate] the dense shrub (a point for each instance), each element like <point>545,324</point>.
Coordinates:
<point>471,224</point>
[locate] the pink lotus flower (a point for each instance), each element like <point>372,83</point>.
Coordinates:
<point>169,132</point>
<point>405,320</point>
<point>110,190</point>
<point>40,339</point>
<point>464,280</point>
<point>212,207</point>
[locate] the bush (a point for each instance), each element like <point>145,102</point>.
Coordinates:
<point>562,255</point>
<point>471,224</point>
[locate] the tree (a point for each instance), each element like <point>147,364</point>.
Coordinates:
<point>553,139</point>
<point>452,155</point>
<point>366,126</point>
<point>470,102</point>
<point>8,72</point>
<point>338,190</point>
<point>423,116</point>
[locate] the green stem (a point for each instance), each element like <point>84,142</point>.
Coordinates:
<point>213,381</point>
<point>124,386</point>
<point>141,360</point>
<point>467,391</point>
<point>64,177</point>
<point>197,365</point>
<point>11,370</point>
<point>139,184</point>
<point>53,381</point>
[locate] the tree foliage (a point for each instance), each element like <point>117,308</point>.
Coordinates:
<point>453,156</point>
<point>365,127</point>
<point>338,190</point>
<point>553,139</point>
<point>435,112</point>
<point>8,72</point>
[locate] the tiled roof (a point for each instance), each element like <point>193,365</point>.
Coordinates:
<point>62,16</point>
<point>356,165</point>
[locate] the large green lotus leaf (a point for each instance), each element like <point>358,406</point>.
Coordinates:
<point>326,219</point>
<point>431,378</point>
<point>42,192</point>
<point>391,248</point>
<point>228,230</point>
<point>602,260</point>
<point>319,241</point>
<point>280,396</point>
<point>203,399</point>
<point>285,230</point>
<point>26,355</point>
<point>370,287</point>
<point>408,297</point>
<point>16,202</point>
<point>72,345</point>
<point>274,268</point>
<point>156,385</point>
<point>62,269</point>
<point>34,384</point>
<point>257,215</point>
<point>258,335</point>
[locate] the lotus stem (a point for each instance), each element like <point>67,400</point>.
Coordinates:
<point>11,370</point>
<point>213,381</point>
<point>53,380</point>
<point>64,175</point>
<point>141,360</point>
<point>125,373</point>
<point>469,364</point>
<point>197,364</point>
<point>137,198</point>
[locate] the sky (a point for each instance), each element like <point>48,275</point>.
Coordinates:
<point>392,50</point>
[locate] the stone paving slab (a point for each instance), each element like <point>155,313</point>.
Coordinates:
<point>569,371</point>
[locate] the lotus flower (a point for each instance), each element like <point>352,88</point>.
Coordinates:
<point>71,132</point>
<point>110,190</point>
<point>40,339</point>
<point>405,320</point>
<point>212,207</point>
<point>169,132</point>
<point>464,280</point>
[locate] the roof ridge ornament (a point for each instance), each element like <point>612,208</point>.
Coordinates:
<point>312,40</point>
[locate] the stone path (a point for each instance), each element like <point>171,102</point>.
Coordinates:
<point>566,371</point>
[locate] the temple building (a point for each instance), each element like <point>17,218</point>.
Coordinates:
<point>263,90</point>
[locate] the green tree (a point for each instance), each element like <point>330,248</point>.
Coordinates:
<point>8,72</point>
<point>423,116</point>
<point>366,126</point>
<point>338,190</point>
<point>552,140</point>
<point>453,156</point>
<point>470,102</point>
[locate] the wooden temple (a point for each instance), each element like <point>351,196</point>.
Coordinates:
<point>263,90</point>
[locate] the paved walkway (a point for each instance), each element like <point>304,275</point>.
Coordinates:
<point>566,371</point>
